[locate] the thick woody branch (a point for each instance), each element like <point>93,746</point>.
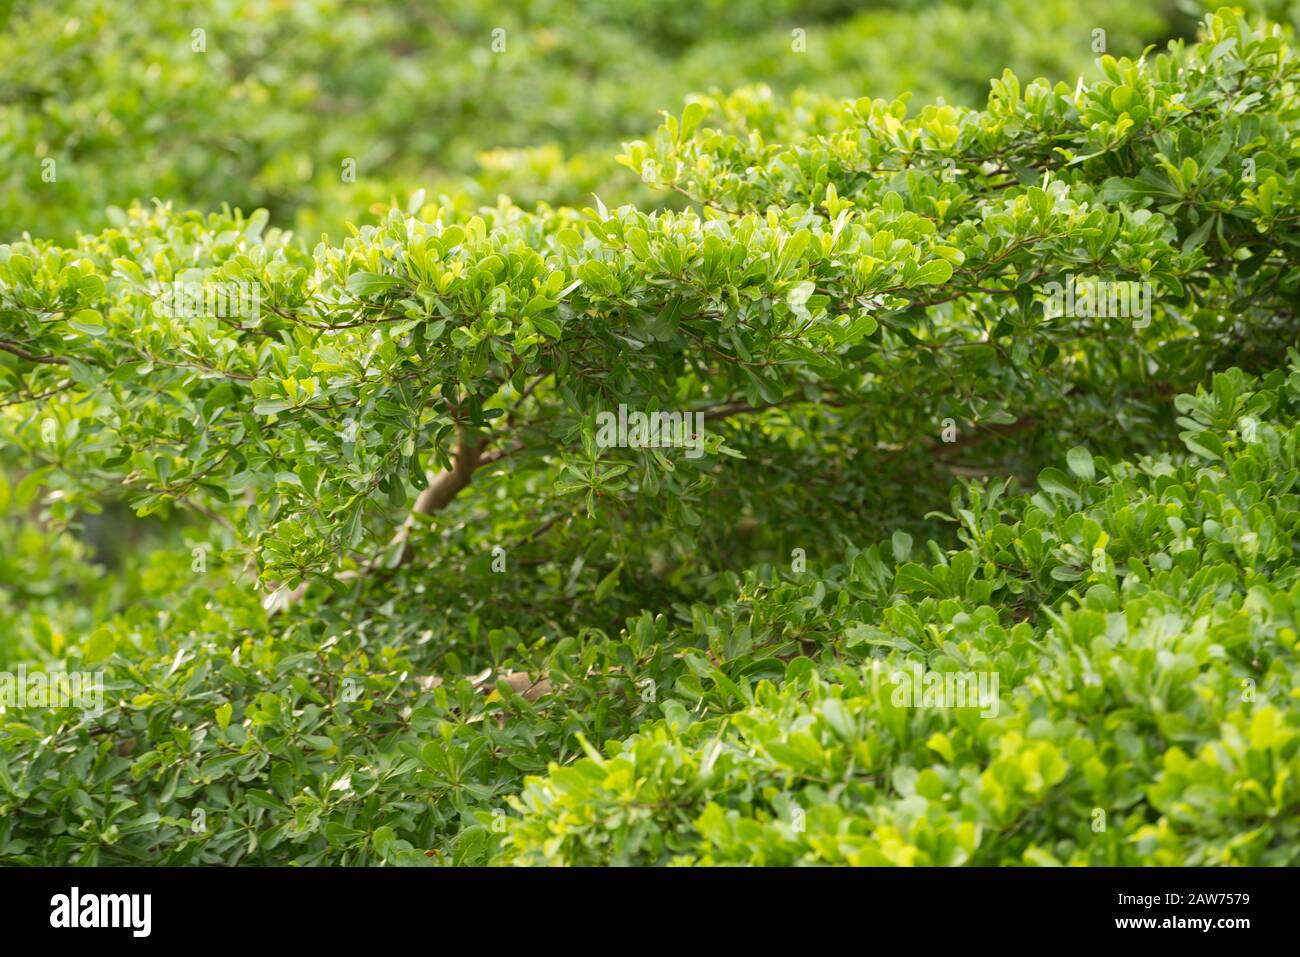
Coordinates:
<point>436,496</point>
<point>444,487</point>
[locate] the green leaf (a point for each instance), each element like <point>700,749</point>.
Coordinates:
<point>88,321</point>
<point>364,285</point>
<point>608,583</point>
<point>1081,464</point>
<point>100,645</point>
<point>902,546</point>
<point>932,273</point>
<point>1055,482</point>
<point>384,839</point>
<point>691,117</point>
<point>30,484</point>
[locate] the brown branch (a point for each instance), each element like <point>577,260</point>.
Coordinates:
<point>444,487</point>
<point>496,455</point>
<point>207,513</point>
<point>993,430</point>
<point>740,407</point>
<point>34,398</point>
<point>734,408</point>
<point>528,390</point>
<point>436,496</point>
<point>24,354</point>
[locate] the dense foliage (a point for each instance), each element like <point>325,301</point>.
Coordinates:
<point>258,104</point>
<point>393,596</point>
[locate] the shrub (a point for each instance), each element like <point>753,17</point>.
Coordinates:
<point>1141,618</point>
<point>408,582</point>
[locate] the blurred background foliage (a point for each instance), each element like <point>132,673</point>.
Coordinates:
<point>476,98</point>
